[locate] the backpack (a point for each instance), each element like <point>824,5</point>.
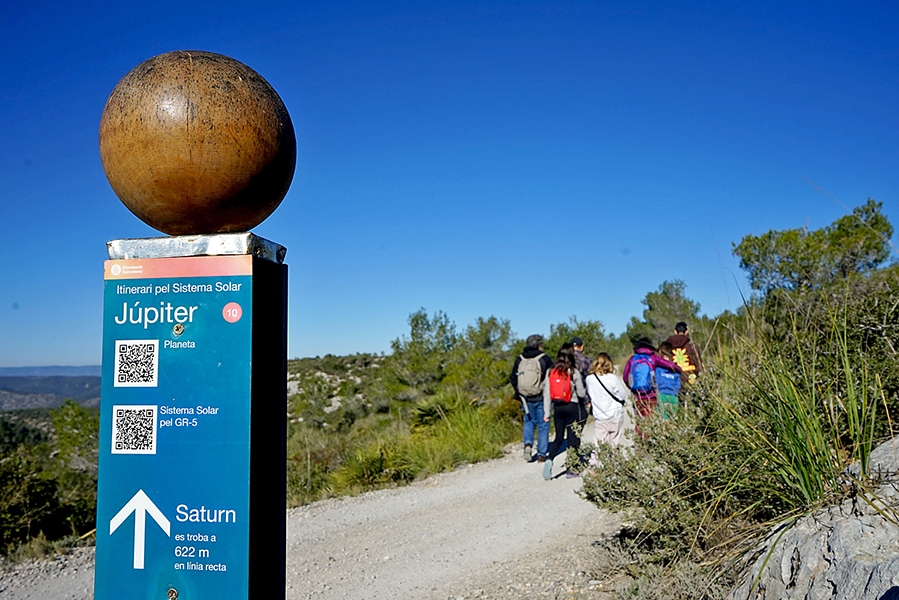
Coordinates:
<point>559,386</point>
<point>640,379</point>
<point>582,361</point>
<point>668,382</point>
<point>530,376</point>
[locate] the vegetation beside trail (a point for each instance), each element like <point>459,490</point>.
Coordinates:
<point>441,398</point>
<point>48,478</point>
<point>800,382</point>
<point>438,400</point>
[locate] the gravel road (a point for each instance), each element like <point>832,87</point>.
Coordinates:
<point>491,530</point>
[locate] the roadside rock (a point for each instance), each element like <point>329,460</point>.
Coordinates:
<point>849,551</point>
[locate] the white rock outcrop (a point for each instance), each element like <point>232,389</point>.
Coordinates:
<point>845,552</point>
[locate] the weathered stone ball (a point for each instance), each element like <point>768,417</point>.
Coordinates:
<point>196,143</point>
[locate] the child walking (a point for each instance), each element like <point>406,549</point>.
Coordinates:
<point>639,375</point>
<point>668,383</point>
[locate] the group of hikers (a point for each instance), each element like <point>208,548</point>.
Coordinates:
<point>571,387</point>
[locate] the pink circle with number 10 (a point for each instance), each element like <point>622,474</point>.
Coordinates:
<point>232,312</point>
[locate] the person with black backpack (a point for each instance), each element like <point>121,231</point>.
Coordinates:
<point>528,375</point>
<point>564,392</point>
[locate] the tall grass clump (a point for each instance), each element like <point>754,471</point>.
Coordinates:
<point>810,410</point>
<point>377,465</point>
<point>310,457</point>
<point>468,433</point>
<point>446,431</point>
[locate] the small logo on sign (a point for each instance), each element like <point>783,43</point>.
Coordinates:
<point>232,312</point>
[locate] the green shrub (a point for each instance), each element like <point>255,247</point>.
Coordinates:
<point>15,432</point>
<point>377,465</point>
<point>311,455</point>
<point>449,431</point>
<point>666,485</point>
<point>468,435</point>
<point>684,580</point>
<point>74,469</point>
<point>432,410</point>
<point>477,374</point>
<point>48,489</point>
<point>77,433</point>
<point>771,437</point>
<point>39,547</point>
<point>28,502</point>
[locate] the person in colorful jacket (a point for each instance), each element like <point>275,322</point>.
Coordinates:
<point>645,397</point>
<point>686,353</point>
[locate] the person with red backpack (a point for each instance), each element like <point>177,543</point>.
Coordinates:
<point>563,393</point>
<point>639,375</point>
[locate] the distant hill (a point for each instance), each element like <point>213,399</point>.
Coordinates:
<point>18,392</point>
<point>85,371</point>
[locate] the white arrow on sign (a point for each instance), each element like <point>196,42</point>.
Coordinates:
<point>140,504</point>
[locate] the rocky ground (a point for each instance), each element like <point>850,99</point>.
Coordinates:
<point>841,552</point>
<point>494,530</point>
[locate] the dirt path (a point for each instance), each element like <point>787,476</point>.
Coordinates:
<point>491,530</point>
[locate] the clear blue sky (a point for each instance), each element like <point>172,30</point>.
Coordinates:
<point>531,161</point>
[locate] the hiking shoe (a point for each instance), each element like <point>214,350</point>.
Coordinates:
<point>527,454</point>
<point>540,458</point>
<point>548,469</point>
<point>571,475</point>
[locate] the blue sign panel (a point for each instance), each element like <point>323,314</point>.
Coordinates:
<point>173,496</point>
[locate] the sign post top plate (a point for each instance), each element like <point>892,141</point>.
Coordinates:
<point>219,244</point>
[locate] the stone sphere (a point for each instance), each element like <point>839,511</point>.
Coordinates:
<point>197,143</point>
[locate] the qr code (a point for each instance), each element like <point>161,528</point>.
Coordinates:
<point>134,429</point>
<point>136,363</point>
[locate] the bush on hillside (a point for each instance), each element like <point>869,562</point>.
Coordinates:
<point>28,502</point>
<point>16,432</point>
<point>48,484</point>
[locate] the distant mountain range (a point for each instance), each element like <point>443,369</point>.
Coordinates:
<point>48,387</point>
<point>86,371</point>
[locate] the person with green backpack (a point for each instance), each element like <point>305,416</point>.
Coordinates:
<point>528,375</point>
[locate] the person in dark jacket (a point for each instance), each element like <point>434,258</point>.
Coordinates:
<point>582,361</point>
<point>686,353</point>
<point>527,377</point>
